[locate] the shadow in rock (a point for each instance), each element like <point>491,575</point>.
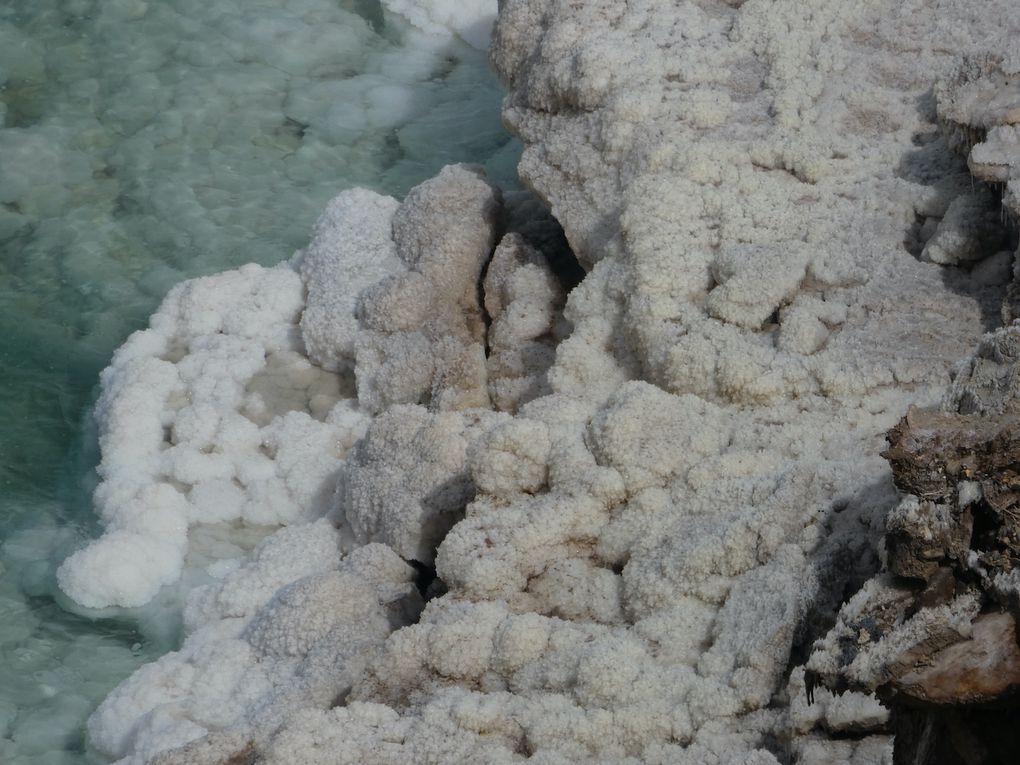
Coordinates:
<point>961,226</point>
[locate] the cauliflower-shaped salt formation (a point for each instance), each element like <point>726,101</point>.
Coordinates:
<point>211,415</point>
<point>407,481</point>
<point>351,249</point>
<point>524,300</point>
<point>241,673</point>
<point>423,338</point>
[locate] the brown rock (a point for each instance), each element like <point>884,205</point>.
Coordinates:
<point>984,669</point>
<point>934,455</point>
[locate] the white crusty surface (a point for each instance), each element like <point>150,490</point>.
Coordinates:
<point>211,415</point>
<point>351,249</point>
<point>423,332</point>
<point>244,670</point>
<point>751,186</point>
<point>407,481</point>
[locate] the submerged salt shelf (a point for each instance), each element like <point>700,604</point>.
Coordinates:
<point>142,144</point>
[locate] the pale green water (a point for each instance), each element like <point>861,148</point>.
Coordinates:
<point>140,144</point>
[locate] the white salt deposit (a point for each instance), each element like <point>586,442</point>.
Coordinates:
<point>643,547</point>
<point>686,488</point>
<point>142,144</point>
<point>212,415</point>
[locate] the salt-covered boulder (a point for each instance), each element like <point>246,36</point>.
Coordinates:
<point>242,671</point>
<point>407,481</point>
<point>351,249</point>
<point>424,332</point>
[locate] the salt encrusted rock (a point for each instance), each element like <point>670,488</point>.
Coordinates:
<point>753,281</point>
<point>937,633</point>
<point>424,338</point>
<point>970,230</point>
<point>880,634</point>
<point>988,382</point>
<point>750,185</point>
<point>240,589</point>
<point>524,301</point>
<point>242,675</point>
<point>833,713</point>
<point>215,414</point>
<point>351,249</point>
<point>823,750</point>
<point>407,481</point>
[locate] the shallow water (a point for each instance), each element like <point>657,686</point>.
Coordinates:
<point>140,144</point>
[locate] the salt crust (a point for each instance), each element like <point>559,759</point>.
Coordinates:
<point>216,414</point>
<point>647,542</point>
<point>211,415</point>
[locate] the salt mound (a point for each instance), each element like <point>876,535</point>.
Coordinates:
<point>682,498</point>
<point>215,414</point>
<point>211,415</point>
<point>288,647</point>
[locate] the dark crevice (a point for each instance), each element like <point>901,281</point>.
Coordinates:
<point>427,580</point>
<point>562,261</point>
<point>533,220</point>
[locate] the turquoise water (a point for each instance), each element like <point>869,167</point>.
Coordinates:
<point>141,144</point>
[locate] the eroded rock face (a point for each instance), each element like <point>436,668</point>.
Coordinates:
<point>936,637</point>
<point>985,668</point>
<point>962,474</point>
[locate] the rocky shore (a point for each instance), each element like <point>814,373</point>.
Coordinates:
<point>934,635</point>
<point>646,515</point>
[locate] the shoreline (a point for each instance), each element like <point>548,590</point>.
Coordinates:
<point>637,505</point>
